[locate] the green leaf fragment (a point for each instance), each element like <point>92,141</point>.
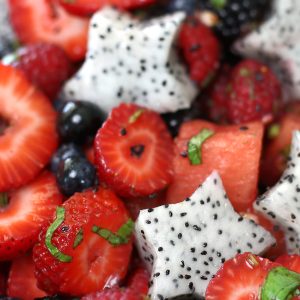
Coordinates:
<point>3,200</point>
<point>78,239</point>
<point>120,237</point>
<point>280,284</point>
<point>273,131</point>
<point>218,4</point>
<point>195,145</point>
<point>60,217</point>
<point>135,116</point>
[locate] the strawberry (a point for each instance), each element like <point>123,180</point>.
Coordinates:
<point>115,293</point>
<point>46,21</point>
<point>140,161</point>
<point>87,247</point>
<point>139,280</point>
<point>255,93</point>
<point>24,212</point>
<point>27,130</point>
<point>277,150</point>
<point>88,7</point>
<point>201,50</point>
<point>291,262</point>
<point>45,65</point>
<point>2,281</point>
<point>218,95</point>
<point>229,148</point>
<point>239,278</point>
<point>21,280</point>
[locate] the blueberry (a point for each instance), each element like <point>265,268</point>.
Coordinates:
<point>78,121</point>
<point>65,151</point>
<point>189,6</point>
<point>75,174</point>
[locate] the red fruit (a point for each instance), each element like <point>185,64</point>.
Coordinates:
<point>255,93</point>
<point>218,95</point>
<point>28,210</point>
<point>88,7</point>
<point>2,282</point>
<point>134,205</point>
<point>277,151</point>
<point>28,135</point>
<point>239,278</point>
<point>291,262</point>
<point>45,65</point>
<point>140,161</point>
<point>139,281</point>
<point>21,282</point>
<point>93,263</point>
<point>46,21</point>
<point>233,151</point>
<point>115,293</point>
<point>201,50</point>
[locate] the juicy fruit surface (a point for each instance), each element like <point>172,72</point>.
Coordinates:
<point>28,210</point>
<point>140,163</point>
<point>21,282</point>
<point>47,21</point>
<point>239,278</point>
<point>255,93</point>
<point>226,151</point>
<point>291,262</point>
<point>28,124</point>
<point>95,262</point>
<point>45,65</point>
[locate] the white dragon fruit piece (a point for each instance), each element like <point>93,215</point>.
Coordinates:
<point>281,204</point>
<point>185,244</point>
<point>276,42</point>
<point>7,35</point>
<point>132,61</point>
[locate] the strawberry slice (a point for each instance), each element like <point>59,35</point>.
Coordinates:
<point>240,278</point>
<point>87,247</point>
<point>21,281</point>
<point>27,210</point>
<point>291,262</point>
<point>88,7</point>
<point>140,161</point>
<point>27,130</point>
<point>46,21</point>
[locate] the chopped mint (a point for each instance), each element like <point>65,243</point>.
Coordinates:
<point>273,131</point>
<point>135,116</point>
<point>218,4</point>
<point>78,239</point>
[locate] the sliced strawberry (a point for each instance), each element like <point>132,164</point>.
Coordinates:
<point>21,282</point>
<point>92,263</point>
<point>240,278</point>
<point>46,21</point>
<point>234,151</point>
<point>140,161</point>
<point>277,151</point>
<point>27,130</point>
<point>291,262</point>
<point>28,209</point>
<point>88,7</point>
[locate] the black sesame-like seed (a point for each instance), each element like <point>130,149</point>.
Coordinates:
<point>167,272</point>
<point>193,250</point>
<point>160,249</point>
<point>123,131</point>
<point>179,235</point>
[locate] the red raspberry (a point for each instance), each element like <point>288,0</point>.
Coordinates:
<point>255,93</point>
<point>201,50</point>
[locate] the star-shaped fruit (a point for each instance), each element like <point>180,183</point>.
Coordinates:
<point>185,244</point>
<point>277,43</point>
<point>281,204</point>
<point>132,61</point>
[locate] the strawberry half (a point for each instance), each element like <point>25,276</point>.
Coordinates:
<point>46,21</point>
<point>27,130</point>
<point>21,280</point>
<point>26,212</point>
<point>240,278</point>
<point>86,248</point>
<point>134,151</point>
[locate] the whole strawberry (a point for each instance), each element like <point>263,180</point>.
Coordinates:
<point>45,65</point>
<point>201,50</point>
<point>255,93</point>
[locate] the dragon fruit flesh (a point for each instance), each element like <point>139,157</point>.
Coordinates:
<point>276,42</point>
<point>132,61</point>
<point>185,244</point>
<point>281,204</point>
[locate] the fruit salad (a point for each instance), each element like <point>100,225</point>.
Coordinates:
<point>149,149</point>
